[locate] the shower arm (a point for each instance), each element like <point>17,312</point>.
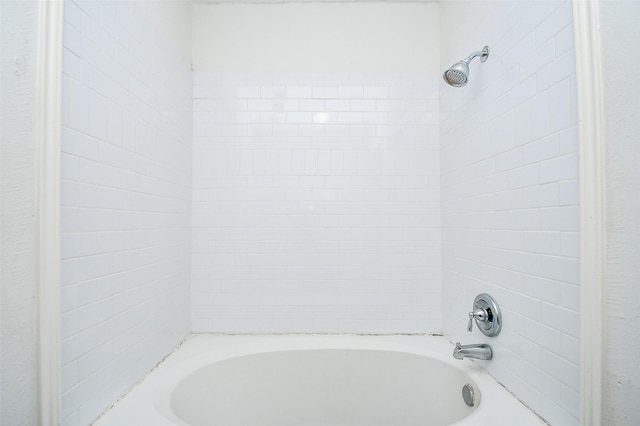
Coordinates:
<point>484,54</point>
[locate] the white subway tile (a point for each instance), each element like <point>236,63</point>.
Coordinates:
<point>524,176</point>
<point>392,105</point>
<point>568,141</point>
<point>207,105</point>
<point>560,218</point>
<point>350,92</point>
<point>561,68</point>
<point>98,111</point>
<point>324,92</point>
<point>312,105</point>
<point>259,130</point>
<point>79,113</point>
<point>560,18</point>
<point>362,131</point>
<point>285,130</point>
<point>311,129</point>
<point>299,117</point>
<point>569,192</point>
<point>248,92</point>
<point>234,105</point>
<point>523,123</point>
<point>540,150</point>
<point>72,64</point>
<point>349,161</point>
<point>559,106</point>
<point>559,168</point>
<point>376,92</point>
<point>80,45</point>
<point>244,117</point>
<point>311,162</point>
<point>564,40</point>
<point>297,162</point>
<point>538,59</point>
<point>324,162</point>
<point>534,17</point>
<point>350,117</point>
<point>337,105</point>
<point>375,118</point>
<point>540,116</point>
<point>233,130</point>
<point>325,117</point>
<point>363,105</point>
<point>403,117</point>
<point>299,92</point>
<point>260,105</point>
<point>79,144</point>
<point>277,92</point>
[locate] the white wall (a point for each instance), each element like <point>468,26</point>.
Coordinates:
<point>172,19</point>
<point>509,157</point>
<point>316,189</point>
<point>315,37</point>
<point>18,344</point>
<point>619,30</point>
<point>126,194</point>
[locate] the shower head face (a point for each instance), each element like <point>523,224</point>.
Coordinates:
<point>457,75</point>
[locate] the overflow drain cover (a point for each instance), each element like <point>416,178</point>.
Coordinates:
<point>469,395</point>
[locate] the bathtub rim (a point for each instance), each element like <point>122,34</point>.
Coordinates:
<point>149,400</point>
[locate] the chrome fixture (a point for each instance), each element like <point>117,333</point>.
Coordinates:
<point>469,395</point>
<point>487,315</point>
<point>458,74</point>
<point>477,351</point>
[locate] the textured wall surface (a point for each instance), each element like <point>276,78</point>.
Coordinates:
<point>126,193</point>
<point>316,203</point>
<point>510,217</point>
<point>619,30</point>
<point>18,344</point>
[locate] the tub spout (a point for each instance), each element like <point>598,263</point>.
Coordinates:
<point>477,351</point>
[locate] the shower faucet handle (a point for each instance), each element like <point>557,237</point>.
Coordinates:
<point>487,315</point>
<point>478,315</point>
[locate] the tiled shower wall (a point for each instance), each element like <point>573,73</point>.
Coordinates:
<point>126,215</point>
<point>510,218</point>
<point>316,203</point>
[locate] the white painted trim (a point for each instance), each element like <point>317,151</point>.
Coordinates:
<point>48,135</point>
<point>592,212</point>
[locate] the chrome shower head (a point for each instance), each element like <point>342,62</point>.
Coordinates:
<point>458,74</point>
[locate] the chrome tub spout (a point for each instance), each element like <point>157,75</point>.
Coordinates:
<point>477,351</point>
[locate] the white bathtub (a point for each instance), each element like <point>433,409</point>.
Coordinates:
<point>316,380</point>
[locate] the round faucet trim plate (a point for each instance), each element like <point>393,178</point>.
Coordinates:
<point>489,326</point>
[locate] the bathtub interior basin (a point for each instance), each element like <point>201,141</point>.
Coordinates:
<point>323,387</point>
